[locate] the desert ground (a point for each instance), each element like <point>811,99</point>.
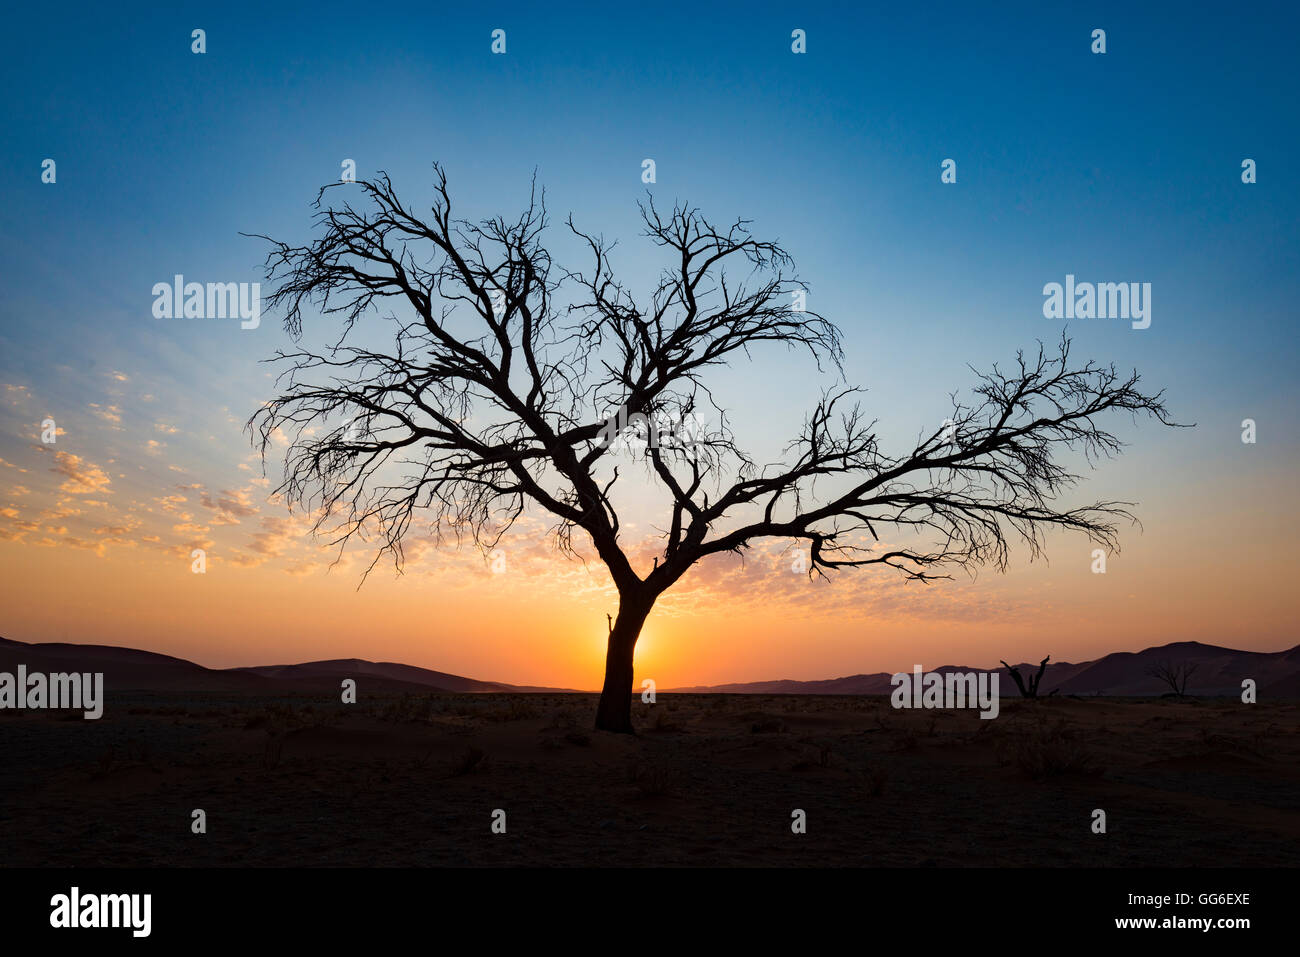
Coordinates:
<point>709,780</point>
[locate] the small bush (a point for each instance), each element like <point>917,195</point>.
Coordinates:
<point>664,724</point>
<point>1048,751</point>
<point>469,760</point>
<point>654,780</point>
<point>906,740</point>
<point>875,779</point>
<point>271,753</point>
<point>516,709</point>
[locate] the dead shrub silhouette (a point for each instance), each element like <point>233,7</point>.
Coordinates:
<point>1030,690</point>
<point>1175,675</point>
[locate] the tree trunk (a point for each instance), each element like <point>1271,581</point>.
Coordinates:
<point>614,713</point>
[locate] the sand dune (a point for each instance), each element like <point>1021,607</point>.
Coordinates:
<point>129,669</point>
<point>1219,671</point>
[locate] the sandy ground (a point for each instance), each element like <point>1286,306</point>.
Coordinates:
<point>710,780</point>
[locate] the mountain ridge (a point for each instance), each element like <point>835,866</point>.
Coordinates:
<point>1219,671</point>
<point>137,670</point>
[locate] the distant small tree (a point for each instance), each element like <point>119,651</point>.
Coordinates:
<point>1032,690</point>
<point>1174,675</point>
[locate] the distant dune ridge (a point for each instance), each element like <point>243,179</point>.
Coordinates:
<point>335,670</point>
<point>128,669</point>
<point>1219,671</point>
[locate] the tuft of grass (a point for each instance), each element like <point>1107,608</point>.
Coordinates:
<point>663,723</point>
<point>562,719</point>
<point>516,709</point>
<point>875,779</point>
<point>825,757</point>
<point>1048,751</point>
<point>271,753</point>
<point>906,740</point>
<point>471,759</point>
<point>654,779</point>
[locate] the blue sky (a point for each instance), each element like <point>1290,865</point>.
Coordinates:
<point>1122,166</point>
<point>1115,167</point>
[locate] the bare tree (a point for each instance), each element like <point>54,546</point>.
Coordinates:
<point>1176,675</point>
<point>509,382</point>
<point>1030,690</point>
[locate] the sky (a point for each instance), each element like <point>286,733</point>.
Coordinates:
<point>1124,166</point>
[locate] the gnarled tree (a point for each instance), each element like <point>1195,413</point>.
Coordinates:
<point>1175,674</point>
<point>506,382</point>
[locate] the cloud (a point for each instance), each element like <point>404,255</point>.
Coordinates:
<point>275,534</point>
<point>109,413</point>
<point>115,535</point>
<point>82,477</point>
<point>17,395</point>
<point>114,531</point>
<point>61,509</point>
<point>229,506</point>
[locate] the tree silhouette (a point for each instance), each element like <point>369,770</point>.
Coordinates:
<point>1030,691</point>
<point>1174,674</point>
<point>509,383</point>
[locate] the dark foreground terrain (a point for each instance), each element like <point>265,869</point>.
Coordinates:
<point>710,780</point>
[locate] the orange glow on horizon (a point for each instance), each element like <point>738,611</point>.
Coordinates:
<point>545,624</point>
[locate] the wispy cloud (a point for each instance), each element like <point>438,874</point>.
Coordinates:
<point>82,477</point>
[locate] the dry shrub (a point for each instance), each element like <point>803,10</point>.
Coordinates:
<point>469,760</point>
<point>1048,750</point>
<point>663,723</point>
<point>272,752</point>
<point>562,719</point>
<point>654,779</point>
<point>517,709</point>
<point>874,779</point>
<point>906,740</point>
